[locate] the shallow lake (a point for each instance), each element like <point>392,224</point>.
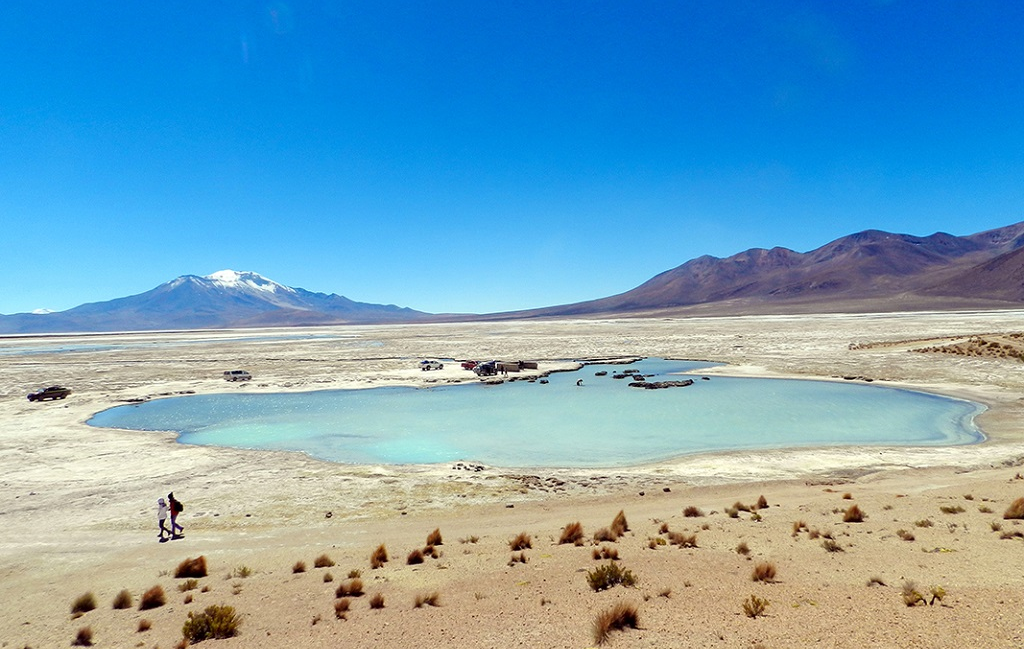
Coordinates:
<point>602,423</point>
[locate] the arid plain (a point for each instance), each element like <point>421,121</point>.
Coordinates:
<point>77,504</point>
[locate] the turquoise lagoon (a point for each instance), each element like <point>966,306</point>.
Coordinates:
<point>603,423</point>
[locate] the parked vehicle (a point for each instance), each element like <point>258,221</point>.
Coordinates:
<point>237,375</point>
<point>468,365</point>
<point>431,365</point>
<point>52,392</point>
<point>489,368</point>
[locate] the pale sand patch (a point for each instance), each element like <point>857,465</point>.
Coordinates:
<point>77,504</point>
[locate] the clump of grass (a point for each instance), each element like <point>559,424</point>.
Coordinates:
<point>430,599</point>
<point>84,603</point>
<point>906,535</point>
<point>469,539</point>
<point>831,546</point>
<point>240,572</point>
<point>968,497</point>
<point>798,526</point>
<point>191,568</point>
<point>996,526</point>
<point>764,571</point>
<point>1015,510</point>
<point>951,509</point>
<point>353,588</point>
<point>605,535</point>
<point>521,541</point>
<point>216,622</point>
<point>1005,536</point>
<point>754,606</point>
<point>144,625</point>
<point>572,533</point>
<point>434,538</point>
<point>518,558</point>
<point>328,577</point>
<point>847,496</point>
<point>188,599</point>
<point>379,557</point>
<point>323,561</point>
<point>341,608</point>
<point>204,589</point>
<point>853,515</point>
<point>619,525</point>
<point>188,584</point>
<point>431,551</point>
<point>762,502</point>
<point>123,600</point>
<point>83,638</point>
<point>152,598</point>
<point>985,509</point>
<point>354,574</point>
<point>937,593</point>
<point>692,512</point>
<point>911,596</point>
<point>377,601</point>
<point>605,552</point>
<point>743,548</point>
<point>663,529</point>
<point>619,617</point>
<point>654,542</point>
<point>415,557</point>
<point>300,566</point>
<point>608,575</point>
<point>924,522</point>
<point>682,540</point>
<point>732,512</point>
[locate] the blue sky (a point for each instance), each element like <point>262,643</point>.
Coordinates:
<point>485,156</point>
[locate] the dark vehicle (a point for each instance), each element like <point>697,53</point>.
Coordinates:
<point>52,392</point>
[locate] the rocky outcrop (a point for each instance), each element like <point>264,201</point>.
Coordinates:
<point>657,385</point>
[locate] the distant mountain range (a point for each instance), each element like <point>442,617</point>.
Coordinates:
<point>867,271</point>
<point>222,300</point>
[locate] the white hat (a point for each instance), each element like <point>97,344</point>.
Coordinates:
<point>160,501</point>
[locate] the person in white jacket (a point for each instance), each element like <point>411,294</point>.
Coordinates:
<point>161,515</point>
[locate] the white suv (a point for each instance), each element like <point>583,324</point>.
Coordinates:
<point>237,375</point>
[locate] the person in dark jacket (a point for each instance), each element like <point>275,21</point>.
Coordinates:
<point>176,508</point>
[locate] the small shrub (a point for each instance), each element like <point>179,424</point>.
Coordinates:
<point>216,622</point>
<point>996,526</point>
<point>341,608</point>
<point>985,509</point>
<point>354,574</point>
<point>968,497</point>
<point>619,617</point>
<point>193,568</point>
<point>951,509</point>
<point>832,546</point>
<point>434,538</point>
<point>743,548</point>
<point>152,598</point>
<point>619,524</point>
<point>937,593</point>
<point>323,561</point>
<point>83,638</point>
<point>732,512</point>
<point>608,575</point>
<point>144,625</point>
<point>328,577</point>
<point>1015,510</point>
<point>693,512</point>
<point>605,535</point>
<point>605,552</point>
<point>906,535</point>
<point>84,603</point>
<point>354,588</point>
<point>377,601</point>
<point>853,515</point>
<point>431,551</point>
<point>754,606</point>
<point>924,522</point>
<point>762,502</point>
<point>188,599</point>
<point>763,571</point>
<point>415,557</point>
<point>847,496</point>
<point>571,533</point>
<point>379,557</point>
<point>911,596</point>
<point>188,584</point>
<point>663,529</point>
<point>430,599</point>
<point>300,566</point>
<point>682,540</point>
<point>470,539</point>
<point>518,558</point>
<point>123,600</point>
<point>522,541</point>
<point>798,526</point>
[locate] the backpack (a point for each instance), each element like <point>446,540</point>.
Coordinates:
<point>177,507</point>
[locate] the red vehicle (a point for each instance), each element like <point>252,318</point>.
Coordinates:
<point>468,365</point>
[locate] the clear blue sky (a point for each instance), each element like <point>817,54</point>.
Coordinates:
<point>486,156</point>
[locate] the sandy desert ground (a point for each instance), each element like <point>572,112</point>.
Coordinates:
<point>77,504</point>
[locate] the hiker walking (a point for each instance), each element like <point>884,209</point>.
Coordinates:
<point>161,516</point>
<point>176,508</point>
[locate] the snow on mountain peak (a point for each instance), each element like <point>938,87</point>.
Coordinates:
<point>245,279</point>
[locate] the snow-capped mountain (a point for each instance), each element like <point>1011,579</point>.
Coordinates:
<point>223,299</point>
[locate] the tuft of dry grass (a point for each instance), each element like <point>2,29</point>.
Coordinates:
<point>605,552</point>
<point>323,561</point>
<point>518,558</point>
<point>144,625</point>
<point>906,535</point>
<point>740,507</point>
<point>84,603</point>
<point>924,522</point>
<point>853,515</point>
<point>619,525</point>
<point>379,557</point>
<point>123,600</point>
<point>619,617</point>
<point>415,557</point>
<point>847,496</point>
<point>743,548</point>
<point>832,546</point>
<point>663,529</point>
<point>608,575</point>
<point>762,502</point>
<point>353,588</point>
<point>798,526</point>
<point>754,606</point>
<point>521,541</point>
<point>188,599</point>
<point>328,577</point>
<point>605,535</point>
<point>434,538</point>
<point>682,540</point>
<point>951,509</point>
<point>216,622</point>
<point>430,599</point>
<point>470,539</point>
<point>431,551</point>
<point>341,608</point>
<point>377,601</point>
<point>692,512</point>
<point>188,584</point>
<point>191,568</point>
<point>1015,510</point>
<point>152,598</point>
<point>911,596</point>
<point>764,571</point>
<point>572,533</point>
<point>83,638</point>
<point>300,566</point>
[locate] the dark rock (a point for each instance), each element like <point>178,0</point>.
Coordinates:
<point>657,385</point>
